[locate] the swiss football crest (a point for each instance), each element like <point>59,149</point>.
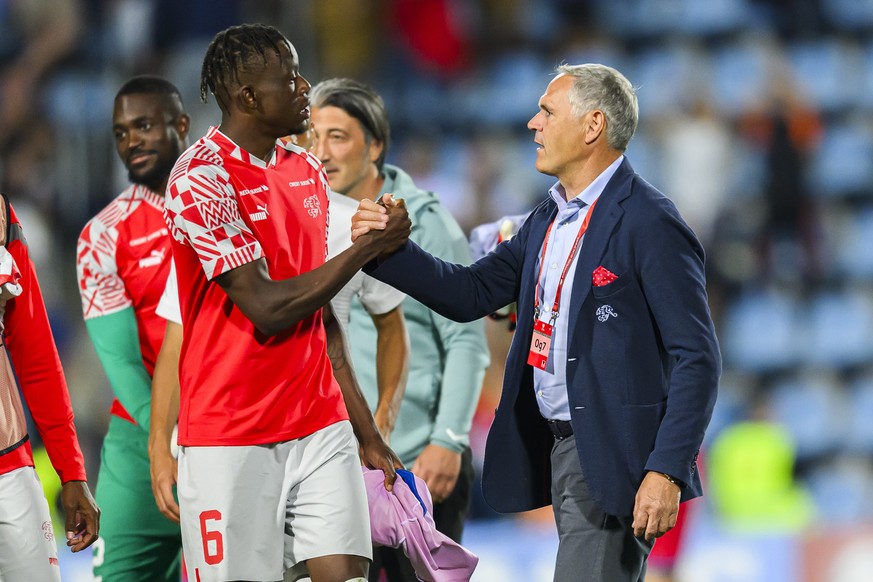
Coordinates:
<point>312,205</point>
<point>604,312</point>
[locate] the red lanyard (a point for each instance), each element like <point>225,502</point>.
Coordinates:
<point>573,250</point>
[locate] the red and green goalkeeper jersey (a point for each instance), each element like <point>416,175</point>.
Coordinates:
<point>123,258</point>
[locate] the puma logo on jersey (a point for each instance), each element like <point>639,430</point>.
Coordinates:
<point>312,206</point>
<point>308,182</point>
<point>262,215</point>
<point>258,190</point>
<point>153,260</point>
<point>144,239</point>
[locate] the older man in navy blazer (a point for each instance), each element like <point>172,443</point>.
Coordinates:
<point>614,367</point>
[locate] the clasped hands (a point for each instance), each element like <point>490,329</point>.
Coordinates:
<point>386,220</point>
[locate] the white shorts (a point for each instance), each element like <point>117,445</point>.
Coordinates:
<point>27,542</point>
<point>252,512</point>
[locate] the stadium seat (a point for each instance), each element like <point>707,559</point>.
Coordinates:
<point>860,418</point>
<point>841,165</point>
<point>515,83</point>
<point>840,327</point>
<point>635,18</point>
<point>866,82</point>
<point>842,491</point>
<point>821,68</point>
<point>759,332</point>
<point>739,75</point>
<point>851,14</point>
<point>713,16</point>
<point>813,409</point>
<point>664,75</point>
<point>853,242</point>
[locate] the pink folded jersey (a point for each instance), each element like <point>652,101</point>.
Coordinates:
<point>403,518</point>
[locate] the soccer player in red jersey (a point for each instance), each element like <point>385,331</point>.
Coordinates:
<point>271,418</point>
<point>29,361</point>
<point>123,261</point>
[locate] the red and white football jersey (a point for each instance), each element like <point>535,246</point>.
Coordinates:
<point>38,370</point>
<point>122,260</point>
<point>226,208</point>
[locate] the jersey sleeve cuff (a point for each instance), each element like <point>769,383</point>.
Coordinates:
<point>237,258</point>
<point>455,443</point>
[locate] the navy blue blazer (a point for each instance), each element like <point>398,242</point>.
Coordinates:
<point>642,381</point>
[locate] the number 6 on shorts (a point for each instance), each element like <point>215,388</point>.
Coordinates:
<point>211,536</point>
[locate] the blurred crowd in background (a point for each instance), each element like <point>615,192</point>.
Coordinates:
<point>755,119</point>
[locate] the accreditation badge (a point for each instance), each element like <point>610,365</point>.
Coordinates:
<point>540,343</point>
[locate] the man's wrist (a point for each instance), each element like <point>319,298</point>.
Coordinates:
<point>367,246</point>
<point>670,478</point>
<point>368,434</point>
<point>446,443</point>
<point>386,415</point>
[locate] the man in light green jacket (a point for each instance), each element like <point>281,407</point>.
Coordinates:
<point>447,359</point>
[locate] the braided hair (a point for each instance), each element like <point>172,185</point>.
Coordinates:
<point>231,51</point>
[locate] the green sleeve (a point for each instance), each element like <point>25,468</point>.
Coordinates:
<point>116,341</point>
<point>465,350</point>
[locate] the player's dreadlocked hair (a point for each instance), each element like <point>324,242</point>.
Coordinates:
<point>230,52</point>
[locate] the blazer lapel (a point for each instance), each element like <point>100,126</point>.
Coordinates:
<point>533,247</point>
<point>607,214</point>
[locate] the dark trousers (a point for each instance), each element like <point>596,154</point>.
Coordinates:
<point>592,545</point>
<point>449,517</point>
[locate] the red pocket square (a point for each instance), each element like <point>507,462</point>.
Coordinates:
<point>602,276</point>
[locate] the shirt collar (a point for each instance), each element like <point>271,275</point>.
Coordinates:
<point>589,194</point>
<point>238,152</point>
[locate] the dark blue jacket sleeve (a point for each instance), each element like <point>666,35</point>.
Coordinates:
<point>454,291</point>
<point>671,269</point>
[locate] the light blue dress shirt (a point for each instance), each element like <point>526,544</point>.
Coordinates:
<point>551,384</point>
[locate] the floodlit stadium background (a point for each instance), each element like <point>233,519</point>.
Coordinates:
<point>755,119</point>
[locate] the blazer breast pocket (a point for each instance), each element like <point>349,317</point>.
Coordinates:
<point>604,291</point>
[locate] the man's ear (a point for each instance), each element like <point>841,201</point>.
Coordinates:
<point>376,148</point>
<point>595,125</point>
<point>183,124</point>
<point>247,97</point>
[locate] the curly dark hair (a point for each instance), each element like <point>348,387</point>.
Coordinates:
<point>231,51</point>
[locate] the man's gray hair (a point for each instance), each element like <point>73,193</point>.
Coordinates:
<point>361,102</point>
<point>604,88</point>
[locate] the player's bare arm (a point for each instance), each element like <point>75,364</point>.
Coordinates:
<point>392,367</point>
<point>165,413</point>
<point>273,306</point>
<point>375,454</point>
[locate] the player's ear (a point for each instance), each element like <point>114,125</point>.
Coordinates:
<point>248,98</point>
<point>183,124</point>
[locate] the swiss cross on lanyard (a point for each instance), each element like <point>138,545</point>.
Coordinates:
<point>541,340</point>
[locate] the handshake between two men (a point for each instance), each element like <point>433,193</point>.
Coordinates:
<point>386,222</point>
